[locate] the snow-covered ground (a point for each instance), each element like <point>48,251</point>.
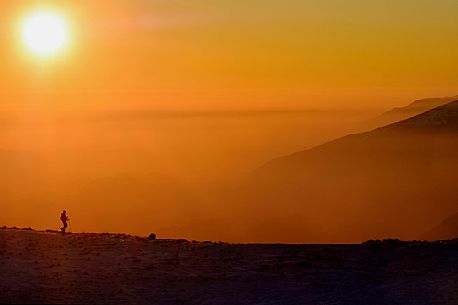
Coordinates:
<point>46,267</point>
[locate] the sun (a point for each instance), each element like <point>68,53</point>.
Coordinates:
<point>45,33</point>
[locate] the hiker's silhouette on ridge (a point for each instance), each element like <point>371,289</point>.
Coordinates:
<point>64,218</point>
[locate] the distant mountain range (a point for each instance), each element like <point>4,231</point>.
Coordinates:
<point>447,229</point>
<point>414,108</point>
<point>394,181</point>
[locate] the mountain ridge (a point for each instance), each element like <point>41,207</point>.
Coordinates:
<point>433,118</point>
<point>397,180</point>
<point>448,228</point>
<point>412,109</point>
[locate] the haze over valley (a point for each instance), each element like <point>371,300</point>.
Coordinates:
<point>202,174</point>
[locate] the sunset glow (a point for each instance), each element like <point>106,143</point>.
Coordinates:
<point>156,112</point>
<point>228,152</point>
<point>45,33</point>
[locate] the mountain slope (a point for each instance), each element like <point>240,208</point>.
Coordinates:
<point>393,181</point>
<point>448,228</point>
<point>440,121</point>
<point>414,108</point>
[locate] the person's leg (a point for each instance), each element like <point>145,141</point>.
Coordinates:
<point>65,226</point>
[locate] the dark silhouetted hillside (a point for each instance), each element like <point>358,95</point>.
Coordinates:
<point>447,229</point>
<point>414,108</point>
<point>394,181</point>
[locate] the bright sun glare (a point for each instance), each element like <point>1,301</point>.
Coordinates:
<point>45,33</point>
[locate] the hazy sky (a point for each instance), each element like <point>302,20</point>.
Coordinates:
<point>219,54</point>
<point>72,125</point>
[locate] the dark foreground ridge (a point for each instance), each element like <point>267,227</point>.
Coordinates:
<point>88,268</point>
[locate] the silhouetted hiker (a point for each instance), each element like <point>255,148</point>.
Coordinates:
<point>64,218</point>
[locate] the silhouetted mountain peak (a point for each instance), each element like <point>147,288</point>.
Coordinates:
<point>442,119</point>
<point>414,108</point>
<point>448,228</point>
<point>396,179</point>
<point>445,116</point>
<point>430,102</point>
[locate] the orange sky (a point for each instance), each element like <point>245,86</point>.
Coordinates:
<point>133,113</point>
<point>222,54</point>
